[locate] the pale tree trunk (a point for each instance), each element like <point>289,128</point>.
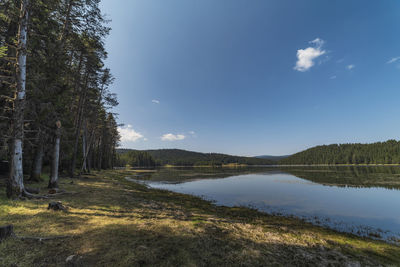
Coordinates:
<point>15,184</point>
<point>86,153</point>
<point>53,183</point>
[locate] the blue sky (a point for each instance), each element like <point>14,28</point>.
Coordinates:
<point>254,77</point>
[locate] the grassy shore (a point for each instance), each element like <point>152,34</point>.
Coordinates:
<point>113,222</point>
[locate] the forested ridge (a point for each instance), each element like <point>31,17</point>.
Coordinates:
<point>56,108</point>
<point>274,158</point>
<point>376,153</point>
<point>179,157</point>
<point>134,158</point>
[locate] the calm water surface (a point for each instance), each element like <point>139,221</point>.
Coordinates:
<point>365,202</point>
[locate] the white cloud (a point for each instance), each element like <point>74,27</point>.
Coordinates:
<point>129,134</point>
<point>172,137</point>
<point>318,42</point>
<point>306,57</point>
<point>333,77</point>
<point>155,101</point>
<point>350,67</point>
<point>192,132</point>
<point>392,60</point>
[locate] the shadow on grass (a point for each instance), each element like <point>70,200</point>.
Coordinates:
<point>122,245</point>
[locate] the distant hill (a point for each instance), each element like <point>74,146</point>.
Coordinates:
<point>274,158</point>
<point>179,157</point>
<point>376,153</point>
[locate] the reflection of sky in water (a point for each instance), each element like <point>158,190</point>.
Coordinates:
<point>287,194</point>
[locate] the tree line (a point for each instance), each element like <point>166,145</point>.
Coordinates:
<point>134,158</point>
<point>179,157</point>
<point>56,106</point>
<point>376,153</point>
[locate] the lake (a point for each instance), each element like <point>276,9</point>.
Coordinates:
<point>360,200</point>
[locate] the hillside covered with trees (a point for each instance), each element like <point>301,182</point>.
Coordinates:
<point>376,153</point>
<point>54,97</point>
<point>134,158</point>
<point>274,158</point>
<point>178,157</point>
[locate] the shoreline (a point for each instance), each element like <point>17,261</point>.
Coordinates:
<point>264,166</point>
<point>363,231</point>
<point>115,222</point>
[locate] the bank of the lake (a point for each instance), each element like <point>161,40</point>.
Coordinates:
<point>114,222</point>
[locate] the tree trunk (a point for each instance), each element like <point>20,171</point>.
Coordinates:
<point>6,232</point>
<point>75,151</point>
<point>84,144</point>
<point>37,162</point>
<point>89,160</point>
<point>100,154</point>
<point>113,157</point>
<point>85,155</point>
<point>53,183</point>
<point>82,100</point>
<point>15,184</point>
<point>64,32</point>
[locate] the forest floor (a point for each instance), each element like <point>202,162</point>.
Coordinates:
<point>113,222</point>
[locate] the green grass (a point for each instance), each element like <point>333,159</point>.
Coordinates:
<point>113,222</point>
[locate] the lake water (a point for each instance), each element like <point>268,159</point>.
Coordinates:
<point>361,200</point>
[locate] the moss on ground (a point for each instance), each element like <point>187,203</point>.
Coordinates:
<point>113,222</point>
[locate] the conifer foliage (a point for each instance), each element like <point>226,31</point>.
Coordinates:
<point>56,106</point>
<point>376,153</point>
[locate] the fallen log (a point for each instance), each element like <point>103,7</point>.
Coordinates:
<point>26,194</point>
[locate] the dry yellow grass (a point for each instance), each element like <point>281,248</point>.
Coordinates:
<point>113,222</point>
